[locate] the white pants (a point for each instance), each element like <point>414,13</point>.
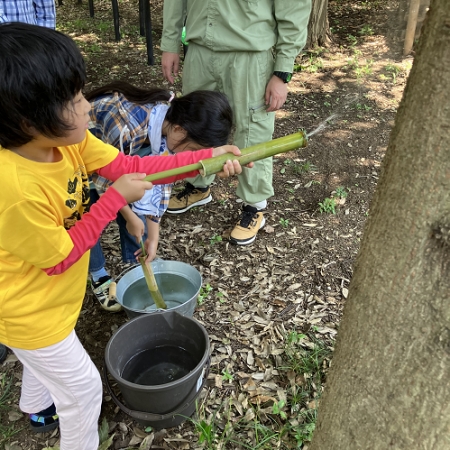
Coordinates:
<point>65,375</point>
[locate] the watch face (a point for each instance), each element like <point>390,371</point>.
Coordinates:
<point>289,77</point>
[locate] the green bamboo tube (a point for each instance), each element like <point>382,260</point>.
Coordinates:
<point>254,153</point>
<point>151,281</point>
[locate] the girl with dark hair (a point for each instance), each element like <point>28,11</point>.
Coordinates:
<point>149,122</point>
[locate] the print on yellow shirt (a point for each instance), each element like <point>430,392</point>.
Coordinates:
<point>78,196</point>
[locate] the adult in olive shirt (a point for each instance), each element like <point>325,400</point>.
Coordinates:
<point>247,50</point>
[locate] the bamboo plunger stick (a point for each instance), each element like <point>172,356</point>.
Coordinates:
<point>150,280</point>
<point>249,154</point>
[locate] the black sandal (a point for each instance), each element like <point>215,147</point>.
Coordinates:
<point>45,420</point>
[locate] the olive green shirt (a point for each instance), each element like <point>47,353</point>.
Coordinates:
<point>239,26</point>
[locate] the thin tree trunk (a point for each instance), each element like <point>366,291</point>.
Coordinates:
<point>411,26</point>
<point>318,28</point>
<point>389,383</point>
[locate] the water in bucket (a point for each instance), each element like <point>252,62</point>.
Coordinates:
<point>174,288</point>
<point>159,365</point>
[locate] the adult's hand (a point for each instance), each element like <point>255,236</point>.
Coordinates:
<point>170,63</point>
<point>276,93</point>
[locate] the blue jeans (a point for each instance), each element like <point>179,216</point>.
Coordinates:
<point>128,243</point>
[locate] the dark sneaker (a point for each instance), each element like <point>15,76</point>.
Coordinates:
<point>46,420</point>
<point>3,353</point>
<point>189,197</point>
<point>247,228</point>
<point>101,292</point>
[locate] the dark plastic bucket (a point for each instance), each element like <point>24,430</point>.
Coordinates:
<point>160,405</point>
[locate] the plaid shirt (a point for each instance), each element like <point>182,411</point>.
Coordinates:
<point>36,12</point>
<point>126,126</point>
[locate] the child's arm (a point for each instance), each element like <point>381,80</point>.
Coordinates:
<point>151,243</point>
<point>152,164</point>
<point>135,226</point>
<point>85,233</point>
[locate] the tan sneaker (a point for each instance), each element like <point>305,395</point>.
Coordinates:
<point>189,197</point>
<point>247,228</point>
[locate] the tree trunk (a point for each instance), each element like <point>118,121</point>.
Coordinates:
<point>318,28</point>
<point>388,386</point>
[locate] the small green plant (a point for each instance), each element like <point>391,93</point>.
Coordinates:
<point>215,239</point>
<point>328,206</point>
<point>286,162</point>
<point>352,39</point>
<point>393,70</point>
<point>314,64</point>
<point>341,192</point>
<point>366,30</point>
<point>304,430</point>
<point>103,27</point>
<point>284,222</point>
<point>221,297</point>
<point>304,168</point>
<point>205,432</point>
<point>363,106</point>
<point>227,376</point>
<point>203,294</point>
<point>293,337</point>
<point>306,355</point>
<point>362,71</point>
<point>277,408</point>
<point>105,440</point>
<point>306,359</point>
<point>79,24</point>
<point>94,48</point>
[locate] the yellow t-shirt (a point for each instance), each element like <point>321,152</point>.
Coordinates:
<point>38,203</point>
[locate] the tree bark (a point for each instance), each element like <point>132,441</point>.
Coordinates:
<point>318,28</point>
<point>388,386</point>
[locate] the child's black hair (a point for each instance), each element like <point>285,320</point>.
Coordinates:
<point>41,71</point>
<point>206,116</point>
<point>134,94</point>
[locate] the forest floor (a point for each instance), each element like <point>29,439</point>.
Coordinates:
<point>271,309</point>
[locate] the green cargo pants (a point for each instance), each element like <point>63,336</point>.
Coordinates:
<point>243,78</point>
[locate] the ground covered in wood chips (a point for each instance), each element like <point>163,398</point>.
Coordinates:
<point>271,309</point>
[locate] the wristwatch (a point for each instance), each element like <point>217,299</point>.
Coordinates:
<point>285,76</point>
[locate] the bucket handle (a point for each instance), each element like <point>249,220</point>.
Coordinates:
<point>124,271</point>
<point>141,415</point>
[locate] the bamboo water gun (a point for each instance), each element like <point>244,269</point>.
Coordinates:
<point>213,165</point>
<point>150,280</point>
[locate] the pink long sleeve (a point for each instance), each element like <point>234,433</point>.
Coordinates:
<point>86,232</point>
<point>152,164</point>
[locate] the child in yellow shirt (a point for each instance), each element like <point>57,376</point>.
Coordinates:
<point>46,156</point>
